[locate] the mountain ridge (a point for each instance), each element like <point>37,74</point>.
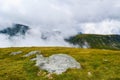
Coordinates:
<point>15,29</point>
<point>96,41</point>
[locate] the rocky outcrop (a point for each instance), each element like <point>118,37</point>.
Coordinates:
<point>57,63</point>
<point>32,53</point>
<point>15,53</point>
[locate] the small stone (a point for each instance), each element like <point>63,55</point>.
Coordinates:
<point>33,59</point>
<point>15,53</point>
<point>49,76</point>
<point>32,53</point>
<point>105,60</point>
<point>39,73</point>
<point>89,74</point>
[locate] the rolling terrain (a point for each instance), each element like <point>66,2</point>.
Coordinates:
<point>96,41</point>
<point>97,64</point>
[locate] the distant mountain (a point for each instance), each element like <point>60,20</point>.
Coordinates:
<point>81,40</point>
<point>48,35</point>
<point>96,41</point>
<point>16,29</point>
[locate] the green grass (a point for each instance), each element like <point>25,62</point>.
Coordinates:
<point>102,64</point>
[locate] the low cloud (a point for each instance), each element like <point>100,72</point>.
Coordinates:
<point>68,17</point>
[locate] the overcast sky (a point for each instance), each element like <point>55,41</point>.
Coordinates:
<point>87,16</point>
<point>59,10</point>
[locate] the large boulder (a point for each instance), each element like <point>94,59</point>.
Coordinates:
<point>57,63</point>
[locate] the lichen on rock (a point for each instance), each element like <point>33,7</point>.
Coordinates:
<point>57,63</point>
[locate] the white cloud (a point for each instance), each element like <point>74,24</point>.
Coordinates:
<point>104,27</point>
<point>57,11</point>
<point>68,16</point>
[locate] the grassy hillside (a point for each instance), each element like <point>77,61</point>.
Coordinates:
<point>96,41</point>
<point>96,64</point>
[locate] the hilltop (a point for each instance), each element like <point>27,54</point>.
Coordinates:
<point>96,64</point>
<point>96,41</point>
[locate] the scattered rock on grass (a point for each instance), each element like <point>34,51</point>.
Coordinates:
<point>32,53</point>
<point>57,63</point>
<point>89,74</point>
<point>15,53</point>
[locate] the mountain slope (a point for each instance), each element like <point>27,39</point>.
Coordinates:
<point>16,29</point>
<point>96,41</point>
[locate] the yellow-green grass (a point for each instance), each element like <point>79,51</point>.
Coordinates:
<point>96,64</point>
<point>96,41</point>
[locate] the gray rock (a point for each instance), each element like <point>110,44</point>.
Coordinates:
<point>57,63</point>
<point>15,53</point>
<point>33,59</point>
<point>32,53</point>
